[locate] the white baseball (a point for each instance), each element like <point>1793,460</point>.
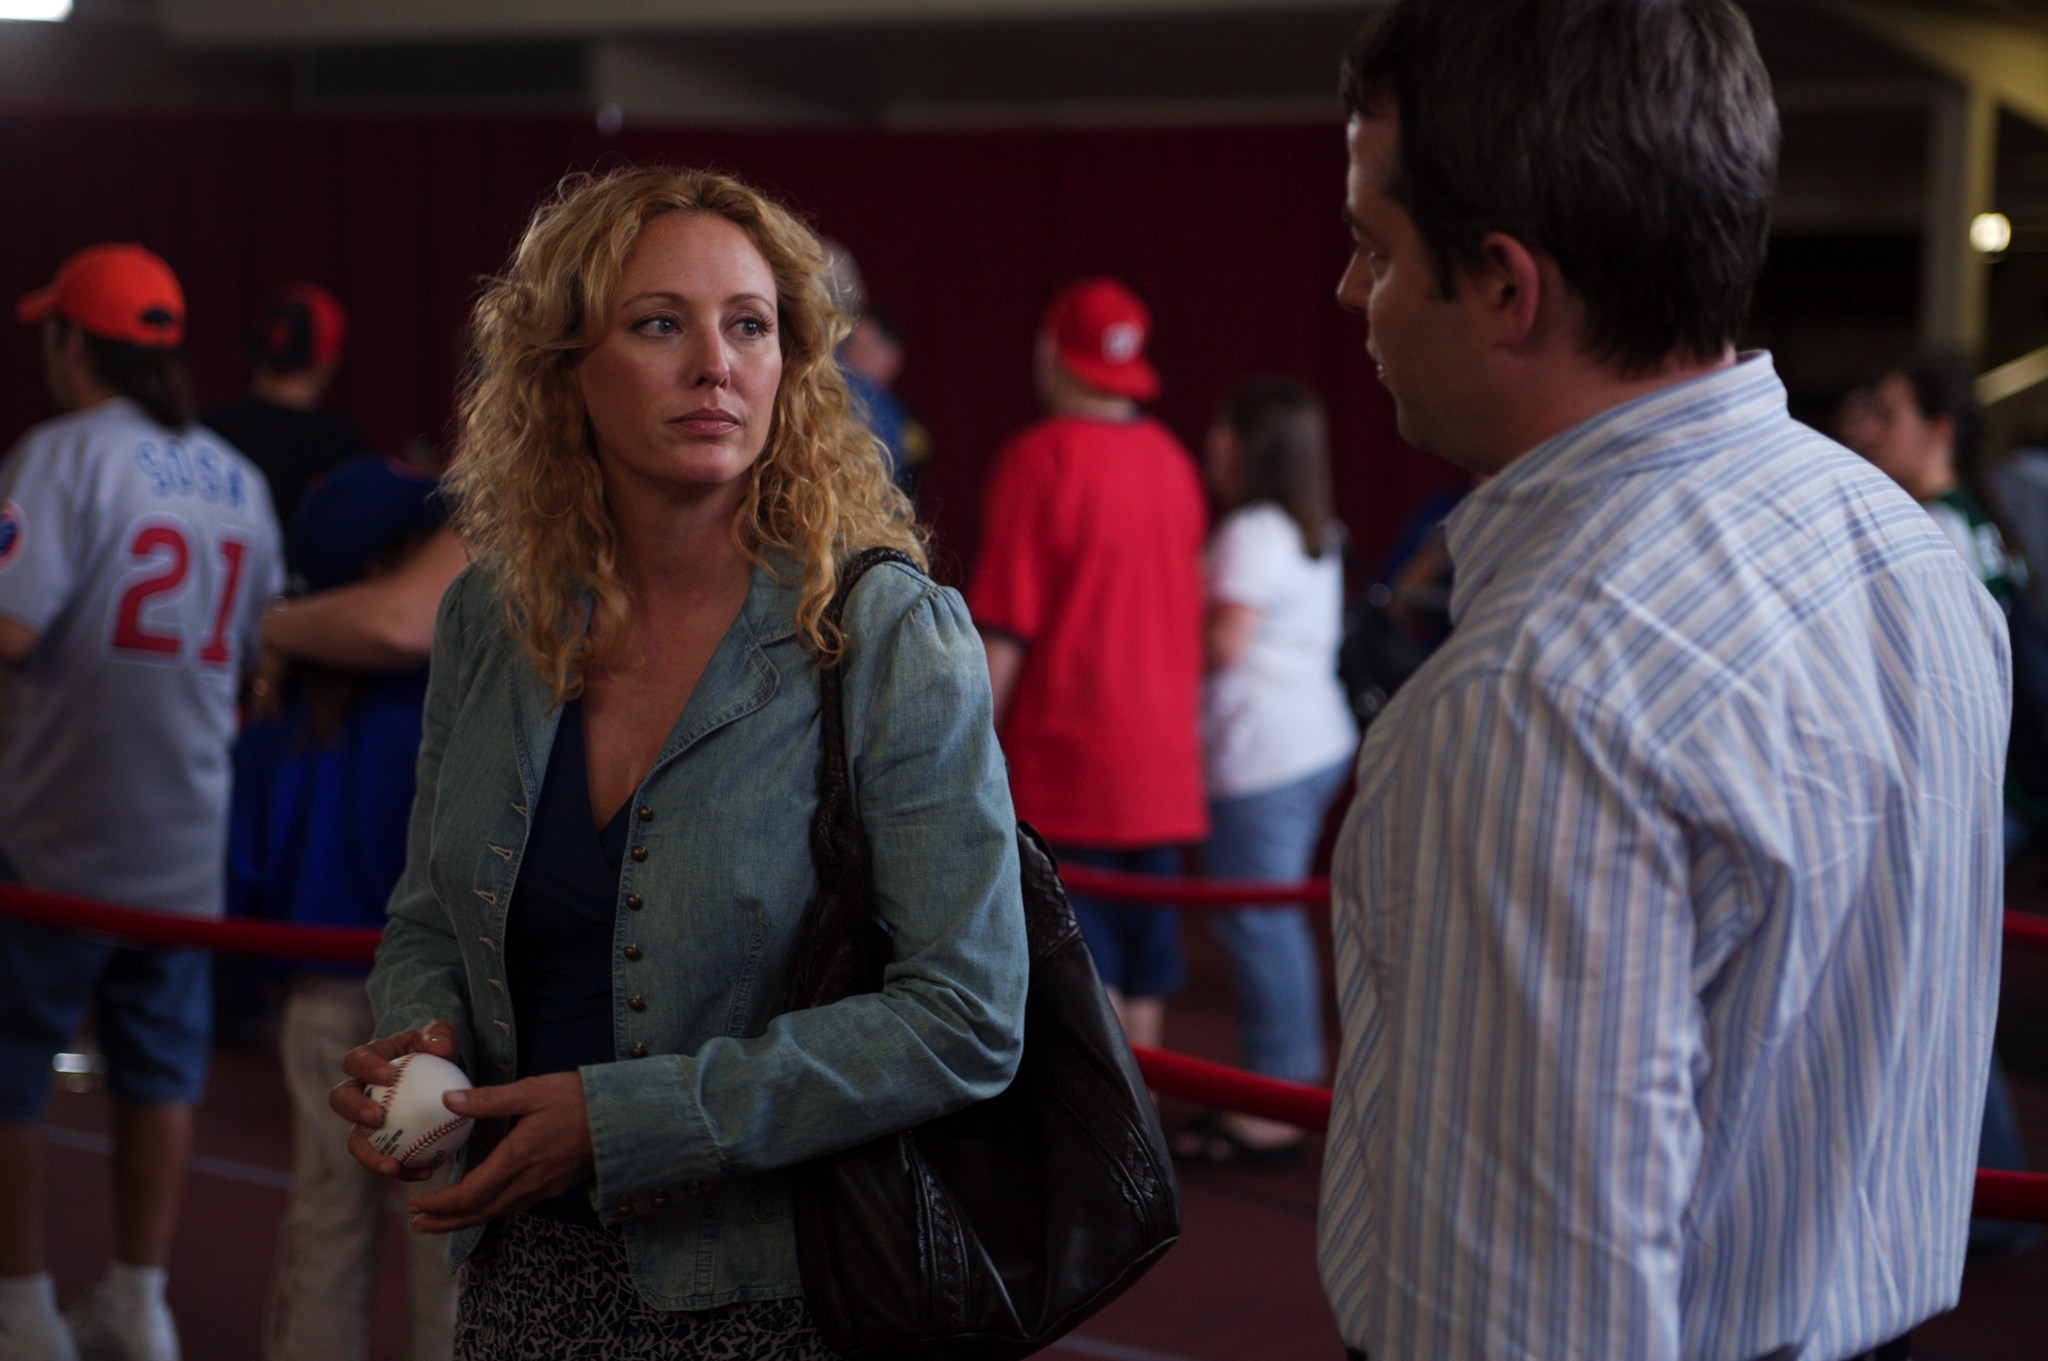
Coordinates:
<point>418,1130</point>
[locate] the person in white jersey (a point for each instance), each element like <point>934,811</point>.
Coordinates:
<point>1277,733</point>
<point>137,551</point>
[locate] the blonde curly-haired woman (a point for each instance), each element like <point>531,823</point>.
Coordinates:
<point>660,474</point>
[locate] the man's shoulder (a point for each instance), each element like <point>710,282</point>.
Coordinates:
<point>1776,512</point>
<point>1033,453</point>
<point>1669,592</point>
<point>1049,439</point>
<point>102,422</point>
<point>117,467</point>
<point>81,449</point>
<point>1060,434</point>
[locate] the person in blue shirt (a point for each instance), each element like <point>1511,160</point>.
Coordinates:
<point>660,471</point>
<point>317,837</point>
<point>872,357</point>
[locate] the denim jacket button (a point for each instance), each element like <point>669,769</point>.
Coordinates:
<point>632,952</point>
<point>639,852</point>
<point>632,902</point>
<point>695,1190</point>
<point>646,813</point>
<point>638,1051</point>
<point>659,1200</point>
<point>625,1208</point>
<point>637,1002</point>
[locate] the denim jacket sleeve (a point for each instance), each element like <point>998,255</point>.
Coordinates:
<point>419,974</point>
<point>947,1028</point>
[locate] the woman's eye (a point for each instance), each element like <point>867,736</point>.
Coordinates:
<point>752,327</point>
<point>656,325</point>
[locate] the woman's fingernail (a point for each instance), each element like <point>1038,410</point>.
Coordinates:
<point>457,1100</point>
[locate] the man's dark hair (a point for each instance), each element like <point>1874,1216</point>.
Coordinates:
<point>1283,454</point>
<point>155,379</point>
<point>1943,386</point>
<point>1634,142</point>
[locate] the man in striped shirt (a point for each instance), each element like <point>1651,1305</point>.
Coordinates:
<point>1668,910</point>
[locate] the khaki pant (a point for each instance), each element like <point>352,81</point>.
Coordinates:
<point>327,1247</point>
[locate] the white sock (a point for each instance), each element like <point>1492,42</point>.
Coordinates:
<point>138,1287</point>
<point>28,1297</point>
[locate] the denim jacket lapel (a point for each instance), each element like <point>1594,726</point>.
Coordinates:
<point>739,678</point>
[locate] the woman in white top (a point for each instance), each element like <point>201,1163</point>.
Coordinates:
<point>1277,732</point>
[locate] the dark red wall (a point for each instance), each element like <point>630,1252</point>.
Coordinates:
<point>1231,235</point>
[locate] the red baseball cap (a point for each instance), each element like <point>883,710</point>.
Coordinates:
<point>1098,329</point>
<point>117,291</point>
<point>300,326</point>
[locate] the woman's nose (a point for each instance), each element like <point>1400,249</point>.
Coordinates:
<point>706,362</point>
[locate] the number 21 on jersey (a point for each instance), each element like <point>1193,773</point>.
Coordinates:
<point>165,603</point>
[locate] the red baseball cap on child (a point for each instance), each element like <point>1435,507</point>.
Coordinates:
<point>1098,329</point>
<point>301,325</point>
<point>117,291</point>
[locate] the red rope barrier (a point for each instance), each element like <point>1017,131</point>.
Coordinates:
<point>2011,1195</point>
<point>2026,928</point>
<point>279,940</point>
<point>1226,1088</point>
<point>357,945</point>
<point>2000,1195</point>
<point>1197,894</point>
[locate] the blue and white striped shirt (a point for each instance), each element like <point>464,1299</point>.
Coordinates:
<point>1667,913</point>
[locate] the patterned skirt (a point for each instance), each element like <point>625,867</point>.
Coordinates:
<point>539,1290</point>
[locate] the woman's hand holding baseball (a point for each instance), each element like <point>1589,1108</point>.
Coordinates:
<point>547,1152</point>
<point>368,1063</point>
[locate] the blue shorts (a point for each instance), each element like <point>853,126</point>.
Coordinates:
<point>154,1009</point>
<point>1136,946</point>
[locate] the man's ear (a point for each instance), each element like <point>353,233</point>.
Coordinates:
<point>1510,284</point>
<point>67,340</point>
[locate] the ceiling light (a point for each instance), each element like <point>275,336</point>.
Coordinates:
<point>49,11</point>
<point>1991,233</point>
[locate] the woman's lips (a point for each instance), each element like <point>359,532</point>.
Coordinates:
<point>707,421</point>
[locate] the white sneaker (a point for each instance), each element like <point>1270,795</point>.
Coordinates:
<point>109,1329</point>
<point>36,1338</point>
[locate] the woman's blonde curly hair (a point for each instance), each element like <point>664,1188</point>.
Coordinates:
<point>529,501</point>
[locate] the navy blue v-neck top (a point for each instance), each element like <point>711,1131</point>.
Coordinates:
<point>558,932</point>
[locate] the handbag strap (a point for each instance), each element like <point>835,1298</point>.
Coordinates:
<point>841,916</point>
<point>835,786</point>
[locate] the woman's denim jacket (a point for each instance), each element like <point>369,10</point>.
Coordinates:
<point>712,1091</point>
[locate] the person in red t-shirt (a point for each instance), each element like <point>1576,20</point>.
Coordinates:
<point>1088,595</point>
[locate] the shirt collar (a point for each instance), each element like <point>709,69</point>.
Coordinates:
<point>772,598</point>
<point>1671,426</point>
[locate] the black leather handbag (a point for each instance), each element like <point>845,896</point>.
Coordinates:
<point>988,1233</point>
